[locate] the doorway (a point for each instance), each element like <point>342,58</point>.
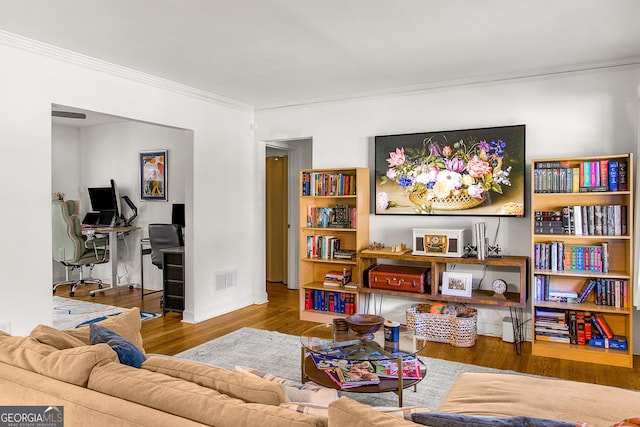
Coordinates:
<point>298,153</point>
<point>277,215</point>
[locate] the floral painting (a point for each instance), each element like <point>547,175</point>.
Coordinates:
<point>153,175</point>
<point>464,172</point>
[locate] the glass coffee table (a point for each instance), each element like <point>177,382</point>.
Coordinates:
<point>323,344</point>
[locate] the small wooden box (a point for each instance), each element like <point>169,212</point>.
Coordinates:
<point>400,278</point>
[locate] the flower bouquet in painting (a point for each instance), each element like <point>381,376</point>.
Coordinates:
<point>447,175</point>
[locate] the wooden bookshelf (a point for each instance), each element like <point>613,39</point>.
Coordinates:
<point>516,296</point>
<point>352,236</point>
<point>565,276</point>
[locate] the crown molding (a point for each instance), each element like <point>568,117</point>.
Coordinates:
<point>34,46</point>
<point>479,80</point>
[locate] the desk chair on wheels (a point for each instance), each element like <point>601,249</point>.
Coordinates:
<point>162,236</point>
<point>71,248</point>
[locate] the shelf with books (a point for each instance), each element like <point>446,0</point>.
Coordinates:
<point>582,254</point>
<point>334,225</point>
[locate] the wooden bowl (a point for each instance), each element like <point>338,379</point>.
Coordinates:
<point>365,325</point>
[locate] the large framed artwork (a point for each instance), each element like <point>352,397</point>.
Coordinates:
<point>474,172</point>
<point>153,175</point>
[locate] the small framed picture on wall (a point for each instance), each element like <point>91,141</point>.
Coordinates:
<point>457,284</point>
<point>153,175</point>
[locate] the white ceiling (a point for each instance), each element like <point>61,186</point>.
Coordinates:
<point>268,53</point>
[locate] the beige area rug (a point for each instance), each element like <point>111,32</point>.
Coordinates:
<point>70,313</point>
<point>279,354</point>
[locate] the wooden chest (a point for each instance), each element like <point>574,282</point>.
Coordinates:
<point>400,278</point>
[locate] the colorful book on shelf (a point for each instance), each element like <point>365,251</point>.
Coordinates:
<point>586,290</point>
<point>604,326</point>
<point>623,183</point>
<point>617,342</point>
<point>552,338</point>
<point>613,176</point>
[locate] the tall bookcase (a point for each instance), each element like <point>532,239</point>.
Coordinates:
<point>334,206</point>
<point>582,231</point>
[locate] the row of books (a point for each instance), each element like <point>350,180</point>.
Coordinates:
<point>559,256</point>
<point>592,220</point>
<point>348,373</point>
<point>338,278</point>
<point>329,301</point>
<point>322,246</point>
<point>597,175</point>
<point>608,292</point>
<point>328,184</point>
<point>611,292</point>
<point>340,216</point>
<point>576,327</point>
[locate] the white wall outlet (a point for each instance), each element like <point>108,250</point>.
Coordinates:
<point>5,326</point>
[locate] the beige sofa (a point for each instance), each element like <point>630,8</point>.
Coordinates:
<point>486,396</point>
<point>61,368</point>
<point>56,368</point>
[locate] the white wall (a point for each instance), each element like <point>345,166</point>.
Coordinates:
<point>223,178</point>
<point>576,114</point>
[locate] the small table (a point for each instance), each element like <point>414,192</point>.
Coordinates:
<point>322,341</point>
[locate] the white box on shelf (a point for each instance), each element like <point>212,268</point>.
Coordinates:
<point>440,242</point>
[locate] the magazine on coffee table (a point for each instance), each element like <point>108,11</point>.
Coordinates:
<point>355,375</point>
<point>411,369</point>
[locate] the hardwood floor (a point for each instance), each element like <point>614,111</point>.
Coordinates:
<point>169,335</point>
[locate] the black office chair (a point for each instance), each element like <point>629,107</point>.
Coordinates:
<point>163,236</point>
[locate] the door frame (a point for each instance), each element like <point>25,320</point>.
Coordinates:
<point>297,159</point>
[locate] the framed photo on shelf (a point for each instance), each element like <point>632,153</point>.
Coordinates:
<point>457,284</point>
<point>153,175</point>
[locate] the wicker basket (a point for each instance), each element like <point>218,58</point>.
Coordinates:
<point>452,203</point>
<point>459,331</point>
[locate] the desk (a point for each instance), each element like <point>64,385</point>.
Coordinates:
<point>113,247</point>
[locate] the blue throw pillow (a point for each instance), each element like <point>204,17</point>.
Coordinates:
<point>438,419</point>
<point>128,353</point>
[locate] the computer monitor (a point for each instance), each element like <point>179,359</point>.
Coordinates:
<point>106,201</point>
<point>102,199</point>
<point>116,199</point>
<point>177,214</point>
